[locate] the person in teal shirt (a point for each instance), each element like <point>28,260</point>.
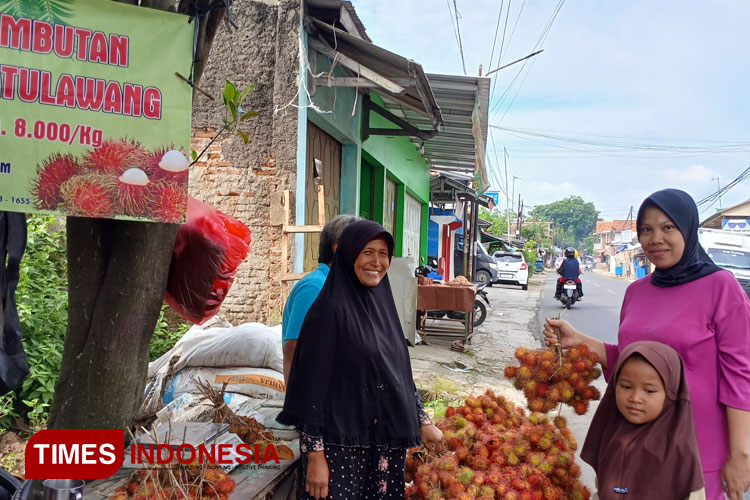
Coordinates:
<point>307,289</point>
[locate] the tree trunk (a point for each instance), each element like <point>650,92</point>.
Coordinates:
<point>117,272</point>
<point>117,275</point>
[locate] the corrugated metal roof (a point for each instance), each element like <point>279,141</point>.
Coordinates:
<point>417,96</point>
<point>454,148</point>
<point>329,11</point>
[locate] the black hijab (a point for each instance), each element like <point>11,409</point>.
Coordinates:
<point>351,379</point>
<point>658,459</point>
<point>695,263</point>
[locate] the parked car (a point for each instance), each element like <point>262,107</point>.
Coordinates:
<point>486,265</point>
<point>512,269</point>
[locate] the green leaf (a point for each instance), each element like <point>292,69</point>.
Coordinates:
<point>249,114</point>
<point>246,91</point>
<point>244,136</point>
<point>229,92</point>
<point>194,154</point>
<point>233,110</point>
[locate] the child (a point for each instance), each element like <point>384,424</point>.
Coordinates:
<point>641,442</point>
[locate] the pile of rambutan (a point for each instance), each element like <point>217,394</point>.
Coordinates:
<point>497,452</point>
<point>549,377</point>
<point>182,483</point>
<point>120,178</point>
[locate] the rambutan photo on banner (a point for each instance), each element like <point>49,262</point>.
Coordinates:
<point>94,121</point>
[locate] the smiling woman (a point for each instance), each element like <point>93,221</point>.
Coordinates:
<point>700,311</point>
<point>373,262</point>
<point>351,394</point>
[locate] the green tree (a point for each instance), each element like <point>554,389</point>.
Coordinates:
<point>499,221</point>
<point>588,244</point>
<point>574,219</point>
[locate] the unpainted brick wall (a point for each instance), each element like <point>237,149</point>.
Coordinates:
<point>247,180</point>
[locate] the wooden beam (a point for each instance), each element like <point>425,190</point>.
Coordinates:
<point>348,22</point>
<point>408,127</point>
<point>293,276</point>
<point>357,82</point>
<point>356,67</point>
<point>303,229</point>
<point>321,206</point>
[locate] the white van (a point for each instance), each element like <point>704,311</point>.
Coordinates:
<point>729,250</point>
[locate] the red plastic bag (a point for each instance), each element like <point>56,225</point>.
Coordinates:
<point>210,247</point>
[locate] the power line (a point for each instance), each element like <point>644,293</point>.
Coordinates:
<point>458,33</point>
<point>505,29</point>
<point>540,41</point>
<point>713,197</point>
<point>453,24</point>
<point>497,29</point>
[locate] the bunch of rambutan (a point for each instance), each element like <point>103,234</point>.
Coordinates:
<point>185,483</point>
<point>549,377</point>
<point>497,452</point>
<point>120,178</point>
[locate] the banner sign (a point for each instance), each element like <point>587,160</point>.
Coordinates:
<point>495,196</point>
<point>93,120</point>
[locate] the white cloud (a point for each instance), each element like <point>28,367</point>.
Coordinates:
<point>562,189</point>
<point>595,81</point>
<point>694,174</point>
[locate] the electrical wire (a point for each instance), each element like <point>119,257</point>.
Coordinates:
<point>458,33</point>
<point>494,40</point>
<point>540,43</point>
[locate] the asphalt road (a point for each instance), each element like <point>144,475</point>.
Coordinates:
<point>598,314</point>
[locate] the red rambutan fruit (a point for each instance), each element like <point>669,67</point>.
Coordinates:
<point>449,412</point>
<point>581,407</point>
<point>133,193</point>
<point>592,392</point>
<point>560,422</point>
<point>520,353</point>
<point>170,164</point>
<point>114,156</point>
<point>50,176</point>
<point>88,195</point>
<point>168,201</point>
<point>529,359</point>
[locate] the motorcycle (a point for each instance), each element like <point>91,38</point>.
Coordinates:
<point>480,310</point>
<point>570,294</point>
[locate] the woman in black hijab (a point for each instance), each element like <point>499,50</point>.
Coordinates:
<point>351,394</point>
<point>701,311</point>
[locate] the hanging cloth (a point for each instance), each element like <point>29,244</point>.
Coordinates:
<point>13,364</point>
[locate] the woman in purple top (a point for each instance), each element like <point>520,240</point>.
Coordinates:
<point>700,311</point>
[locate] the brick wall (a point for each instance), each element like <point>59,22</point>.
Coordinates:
<point>247,180</point>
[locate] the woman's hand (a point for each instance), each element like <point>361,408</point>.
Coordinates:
<point>735,475</point>
<point>432,437</point>
<point>569,335</point>
<point>318,474</point>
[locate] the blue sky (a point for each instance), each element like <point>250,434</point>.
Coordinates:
<point>617,76</point>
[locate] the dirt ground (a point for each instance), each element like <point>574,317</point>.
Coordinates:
<point>510,323</point>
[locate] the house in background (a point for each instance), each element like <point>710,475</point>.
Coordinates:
<point>334,109</point>
<point>613,237</point>
<point>736,218</point>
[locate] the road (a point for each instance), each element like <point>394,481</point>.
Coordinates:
<point>598,315</point>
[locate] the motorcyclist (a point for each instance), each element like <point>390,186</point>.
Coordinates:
<point>569,269</point>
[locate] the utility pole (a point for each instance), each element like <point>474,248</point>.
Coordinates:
<point>513,197</point>
<point>718,188</point>
<point>507,199</point>
<point>518,216</point>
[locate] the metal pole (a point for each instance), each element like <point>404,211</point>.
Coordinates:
<point>475,238</point>
<point>507,200</point>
